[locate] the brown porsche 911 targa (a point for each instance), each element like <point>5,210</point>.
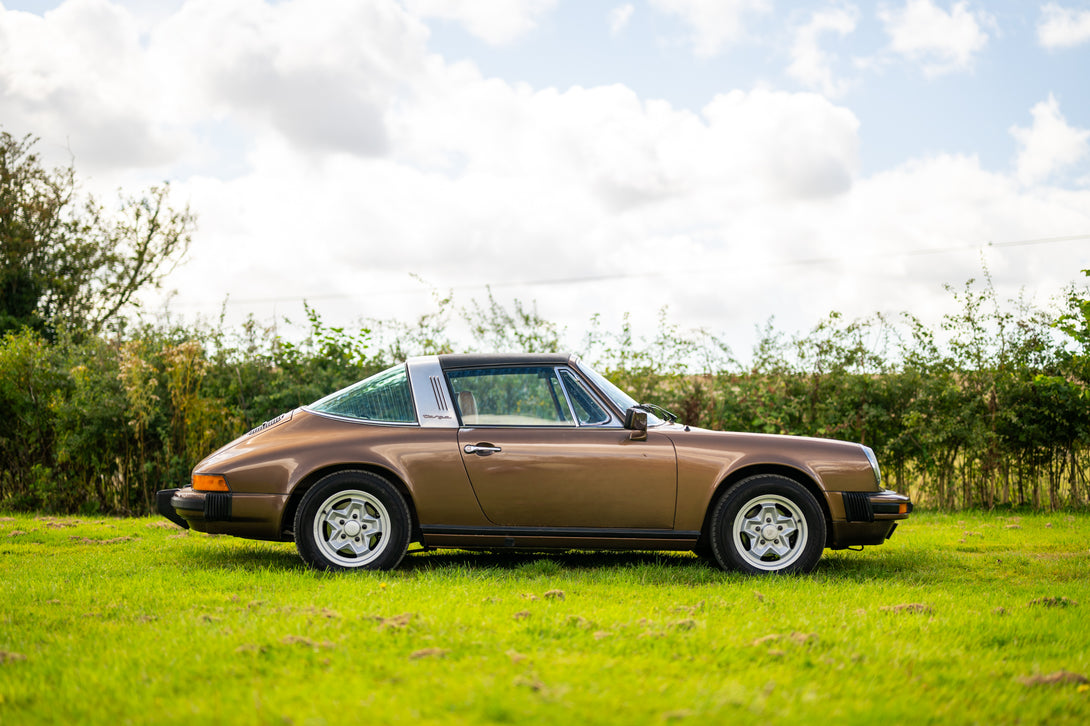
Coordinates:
<point>532,451</point>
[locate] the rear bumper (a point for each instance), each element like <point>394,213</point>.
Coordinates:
<point>165,508</point>
<point>256,516</point>
<point>186,507</point>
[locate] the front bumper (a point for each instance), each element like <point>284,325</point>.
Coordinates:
<point>874,506</point>
<point>867,518</point>
<point>256,516</point>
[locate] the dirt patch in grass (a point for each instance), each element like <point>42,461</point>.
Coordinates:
<point>1053,602</point>
<point>1052,679</point>
<point>909,607</point>
<point>428,653</point>
<point>89,540</point>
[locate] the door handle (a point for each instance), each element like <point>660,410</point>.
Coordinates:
<point>481,449</point>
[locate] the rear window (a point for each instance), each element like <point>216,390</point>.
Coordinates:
<point>383,397</point>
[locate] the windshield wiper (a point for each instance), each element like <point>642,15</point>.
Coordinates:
<point>658,411</point>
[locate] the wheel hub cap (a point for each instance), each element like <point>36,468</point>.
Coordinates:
<point>770,532</point>
<point>352,528</point>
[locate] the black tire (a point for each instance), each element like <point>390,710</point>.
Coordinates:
<point>767,524</point>
<point>704,551</point>
<point>352,520</point>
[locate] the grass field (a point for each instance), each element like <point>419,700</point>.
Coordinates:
<point>963,618</point>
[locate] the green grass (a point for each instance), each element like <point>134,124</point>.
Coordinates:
<point>963,618</point>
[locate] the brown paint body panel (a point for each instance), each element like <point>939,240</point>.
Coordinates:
<point>707,459</point>
<point>542,477</point>
<point>585,477</point>
<point>427,461</point>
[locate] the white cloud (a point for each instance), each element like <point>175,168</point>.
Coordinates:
<point>619,17</point>
<point>364,155</point>
<point>76,76</point>
<point>940,41</point>
<point>929,222</point>
<point>1061,27</point>
<point>714,23</point>
<point>497,23</point>
<point>811,65</point>
<point>601,179</point>
<point>1049,145</point>
<point>782,145</point>
<point>320,72</point>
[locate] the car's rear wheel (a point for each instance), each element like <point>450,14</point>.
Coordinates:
<point>352,520</point>
<point>703,550</point>
<point>767,524</point>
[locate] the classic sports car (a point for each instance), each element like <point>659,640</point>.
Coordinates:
<point>532,452</point>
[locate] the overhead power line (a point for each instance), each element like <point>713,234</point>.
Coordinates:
<point>612,277</point>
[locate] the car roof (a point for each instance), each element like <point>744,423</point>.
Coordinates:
<point>475,360</point>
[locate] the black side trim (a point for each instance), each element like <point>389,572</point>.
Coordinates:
<point>858,507</point>
<point>217,507</point>
<point>588,532</point>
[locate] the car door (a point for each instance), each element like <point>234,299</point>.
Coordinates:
<point>540,453</point>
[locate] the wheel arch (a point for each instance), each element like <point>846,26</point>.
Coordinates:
<point>796,475</point>
<point>287,518</point>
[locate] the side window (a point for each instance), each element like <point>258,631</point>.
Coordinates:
<point>587,409</point>
<point>382,397</point>
<point>522,396</point>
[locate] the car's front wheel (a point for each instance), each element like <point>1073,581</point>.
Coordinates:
<point>352,520</point>
<point>767,524</point>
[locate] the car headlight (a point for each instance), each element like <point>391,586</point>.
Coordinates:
<point>873,465</point>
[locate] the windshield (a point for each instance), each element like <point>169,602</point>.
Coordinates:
<point>620,399</point>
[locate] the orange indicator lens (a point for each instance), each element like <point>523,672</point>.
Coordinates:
<point>209,483</point>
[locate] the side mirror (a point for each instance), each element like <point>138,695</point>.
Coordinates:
<point>635,421</point>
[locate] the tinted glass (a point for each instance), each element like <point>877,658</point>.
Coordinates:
<point>587,409</point>
<point>621,399</point>
<point>510,397</point>
<point>382,397</point>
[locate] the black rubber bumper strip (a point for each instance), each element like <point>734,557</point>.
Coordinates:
<point>162,503</point>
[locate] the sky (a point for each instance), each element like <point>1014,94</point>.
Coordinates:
<point>731,161</point>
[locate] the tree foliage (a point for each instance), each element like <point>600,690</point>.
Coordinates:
<point>66,261</point>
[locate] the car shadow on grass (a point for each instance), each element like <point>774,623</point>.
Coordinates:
<point>685,565</point>
<point>834,566</point>
<point>274,557</point>
<point>546,560</point>
<point>877,564</point>
<point>251,557</point>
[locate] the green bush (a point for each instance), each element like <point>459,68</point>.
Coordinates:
<point>31,378</point>
<point>991,409</point>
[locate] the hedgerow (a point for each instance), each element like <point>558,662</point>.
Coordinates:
<point>990,409</point>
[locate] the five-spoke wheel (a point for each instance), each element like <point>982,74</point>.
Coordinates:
<point>767,523</point>
<point>352,520</point>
